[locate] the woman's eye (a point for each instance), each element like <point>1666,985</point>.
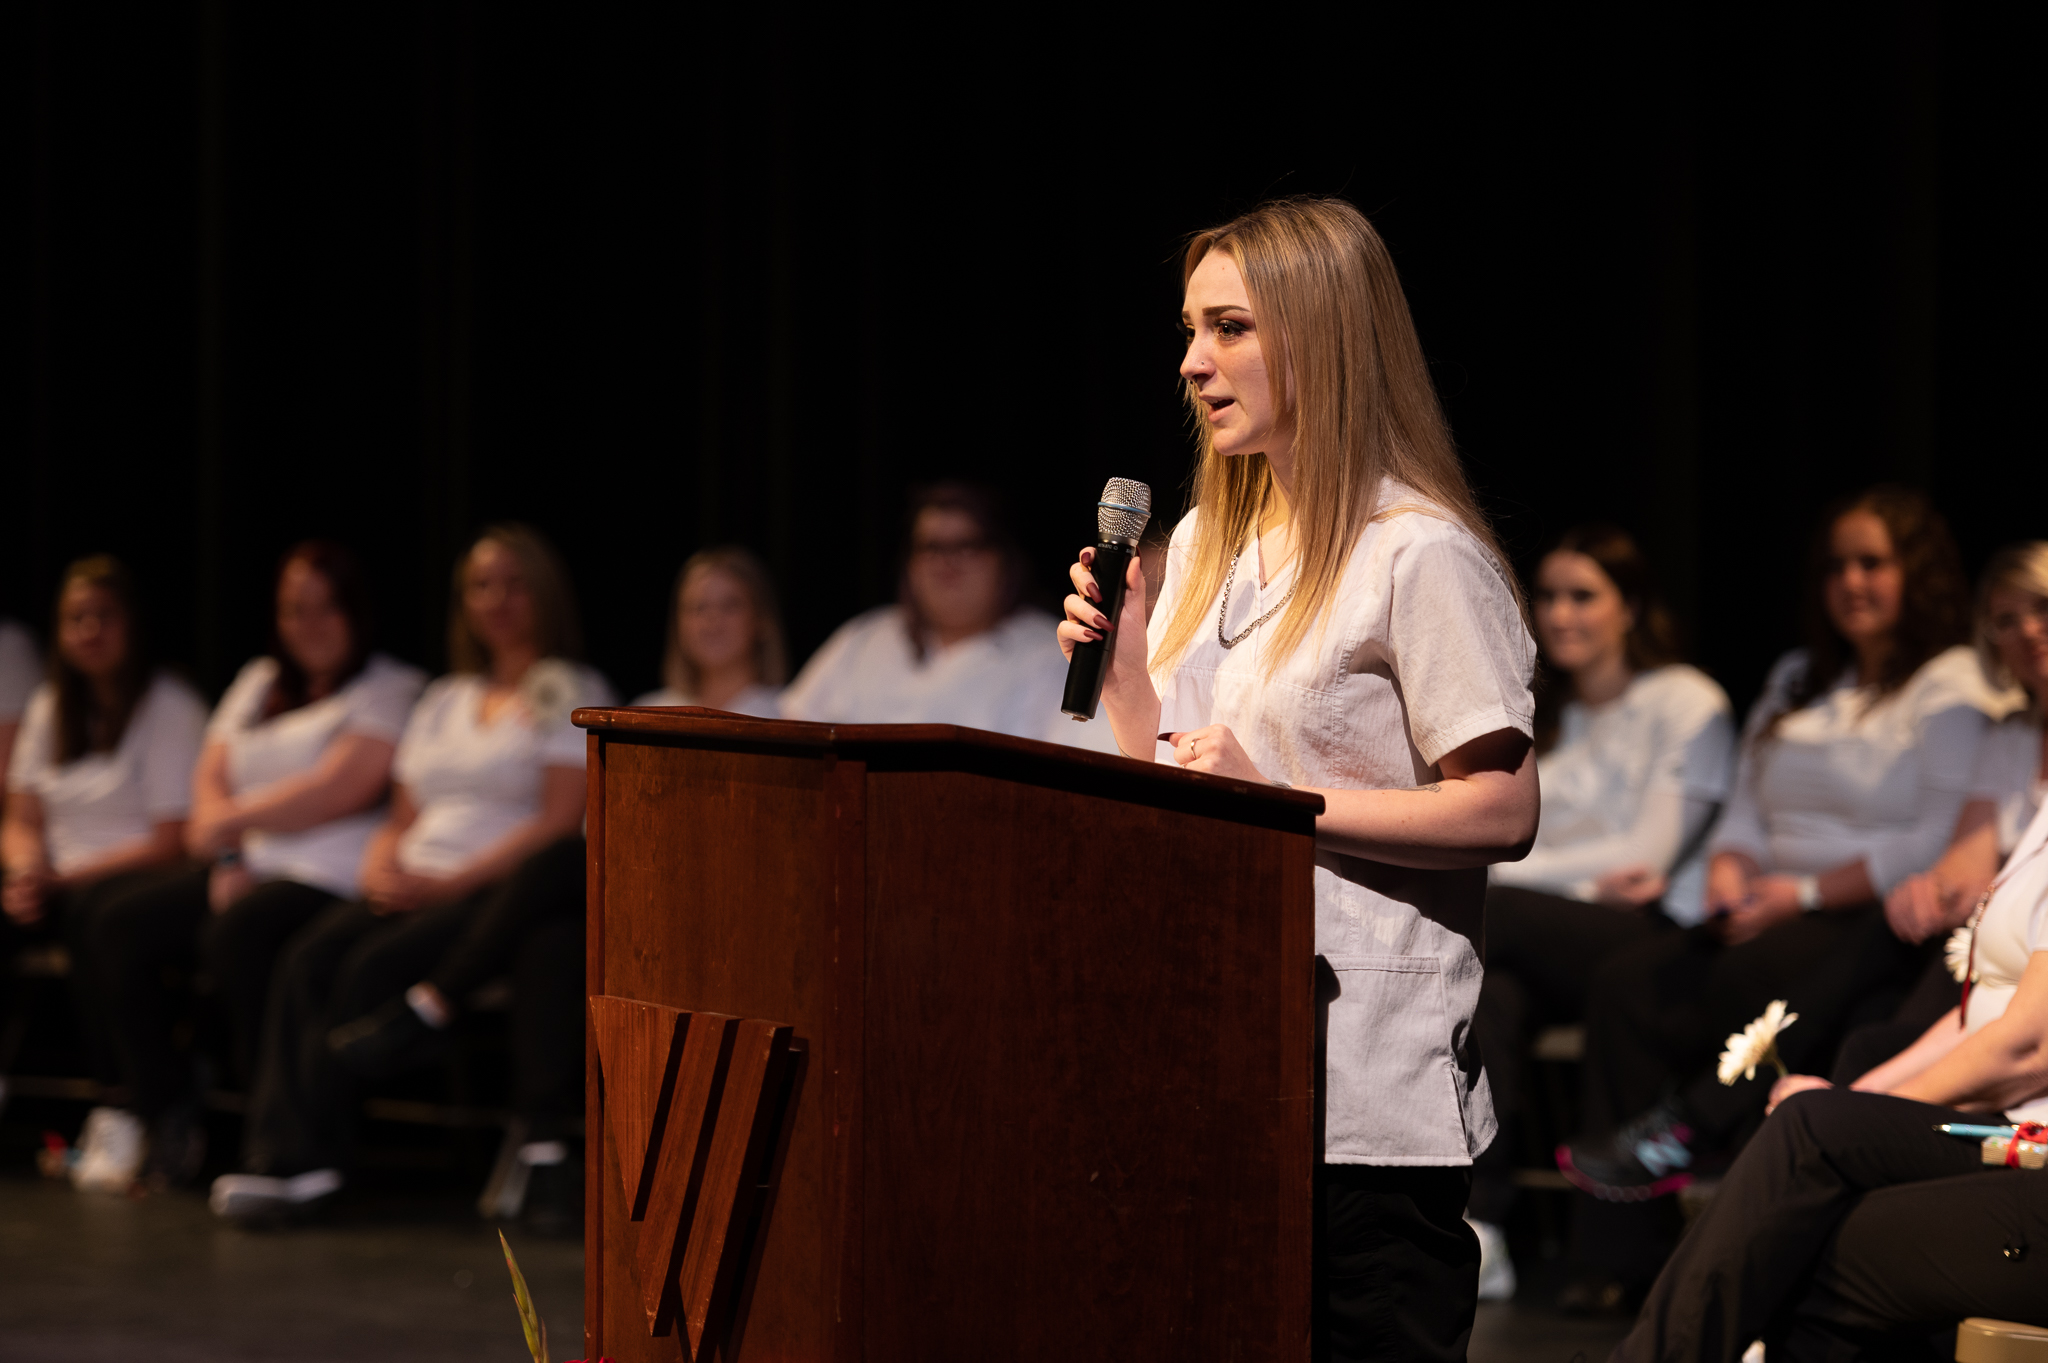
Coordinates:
<point>1229,328</point>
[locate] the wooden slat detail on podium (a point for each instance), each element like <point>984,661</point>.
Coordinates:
<point>691,1100</point>
<point>733,1169</point>
<point>679,1169</point>
<point>637,1046</point>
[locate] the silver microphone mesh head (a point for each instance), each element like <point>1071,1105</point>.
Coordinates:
<point>1125,507</point>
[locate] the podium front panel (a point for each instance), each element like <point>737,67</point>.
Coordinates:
<point>1055,1096</point>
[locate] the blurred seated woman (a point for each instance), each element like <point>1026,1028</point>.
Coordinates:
<point>21,670</point>
<point>725,649</point>
<point>2006,790</point>
<point>97,794</point>
<point>288,790</point>
<point>1635,752</point>
<point>958,648</point>
<point>1850,1227</point>
<point>1855,763</point>
<point>488,773</point>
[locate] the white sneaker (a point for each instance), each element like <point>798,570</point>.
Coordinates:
<point>111,1150</point>
<point>1496,1268</point>
<point>256,1197</point>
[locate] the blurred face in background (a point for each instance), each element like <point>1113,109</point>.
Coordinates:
<point>1581,619</point>
<point>310,625</point>
<point>2019,624</point>
<point>716,620</point>
<point>956,575</point>
<point>1865,584</point>
<point>497,600</point>
<point>92,630</point>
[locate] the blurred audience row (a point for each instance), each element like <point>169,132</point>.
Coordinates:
<point>343,854</point>
<point>346,856</point>
<point>1685,876</point>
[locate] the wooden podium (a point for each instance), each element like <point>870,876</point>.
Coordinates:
<point>1021,1040</point>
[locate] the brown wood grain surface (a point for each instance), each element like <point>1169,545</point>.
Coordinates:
<point>1059,1021</point>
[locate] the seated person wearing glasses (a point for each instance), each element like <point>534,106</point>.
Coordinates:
<point>958,648</point>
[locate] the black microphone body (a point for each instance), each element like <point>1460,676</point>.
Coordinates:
<point>1120,520</point>
<point>1091,660</point>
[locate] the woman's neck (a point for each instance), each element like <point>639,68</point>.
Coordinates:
<point>944,637</point>
<point>106,693</point>
<point>508,665</point>
<point>1871,656</point>
<point>718,686</point>
<point>1602,679</point>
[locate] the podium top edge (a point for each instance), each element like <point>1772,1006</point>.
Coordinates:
<point>719,728</point>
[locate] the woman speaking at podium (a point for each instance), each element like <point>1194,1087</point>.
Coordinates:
<point>1337,617</point>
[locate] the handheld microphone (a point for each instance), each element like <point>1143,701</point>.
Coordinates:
<point>1120,519</point>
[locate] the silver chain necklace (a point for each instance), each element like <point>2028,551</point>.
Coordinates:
<point>1223,611</point>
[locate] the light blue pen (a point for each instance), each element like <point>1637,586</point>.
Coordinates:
<point>1966,1129</point>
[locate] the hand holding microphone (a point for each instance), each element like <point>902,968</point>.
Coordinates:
<point>1105,626</point>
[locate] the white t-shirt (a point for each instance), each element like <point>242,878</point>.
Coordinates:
<point>1845,780</point>
<point>97,802</point>
<point>1008,680</point>
<point>375,703</point>
<point>1423,650</point>
<point>21,671</point>
<point>2014,927</point>
<point>472,783</point>
<point>1627,782</point>
<point>762,702</point>
<point>2009,775</point>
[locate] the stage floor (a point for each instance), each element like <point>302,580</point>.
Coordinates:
<point>398,1280</point>
<point>398,1276</point>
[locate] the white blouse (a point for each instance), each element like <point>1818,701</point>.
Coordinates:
<point>21,671</point>
<point>375,703</point>
<point>95,803</point>
<point>472,783</point>
<point>1424,649</point>
<point>1845,780</point>
<point>1627,783</point>
<point>1008,680</point>
<point>2013,928</point>
<point>2009,775</point>
<point>762,702</point>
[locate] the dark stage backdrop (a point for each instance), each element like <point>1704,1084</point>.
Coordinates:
<point>390,273</point>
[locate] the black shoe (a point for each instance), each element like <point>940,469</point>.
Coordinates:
<point>554,1200</point>
<point>1648,1157</point>
<point>1595,1295</point>
<point>392,1039</point>
<point>177,1146</point>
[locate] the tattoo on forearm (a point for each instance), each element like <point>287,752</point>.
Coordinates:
<point>1433,788</point>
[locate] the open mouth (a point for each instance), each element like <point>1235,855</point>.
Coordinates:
<point>1217,405</point>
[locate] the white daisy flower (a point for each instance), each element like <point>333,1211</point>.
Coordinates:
<point>1958,953</point>
<point>1755,1044</point>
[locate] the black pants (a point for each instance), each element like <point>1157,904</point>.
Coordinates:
<point>1850,1228</point>
<point>1660,1011</point>
<point>1870,1045</point>
<point>1541,954</point>
<point>347,962</point>
<point>1399,1266</point>
<point>532,930</point>
<point>547,887</point>
<point>73,917</point>
<point>150,936</point>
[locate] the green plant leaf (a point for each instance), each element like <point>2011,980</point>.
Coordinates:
<point>529,1319</point>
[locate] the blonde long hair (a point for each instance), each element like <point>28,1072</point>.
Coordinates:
<point>556,631</point>
<point>1331,314</point>
<point>2017,567</point>
<point>771,658</point>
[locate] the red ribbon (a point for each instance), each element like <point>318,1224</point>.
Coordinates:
<point>2025,1131</point>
